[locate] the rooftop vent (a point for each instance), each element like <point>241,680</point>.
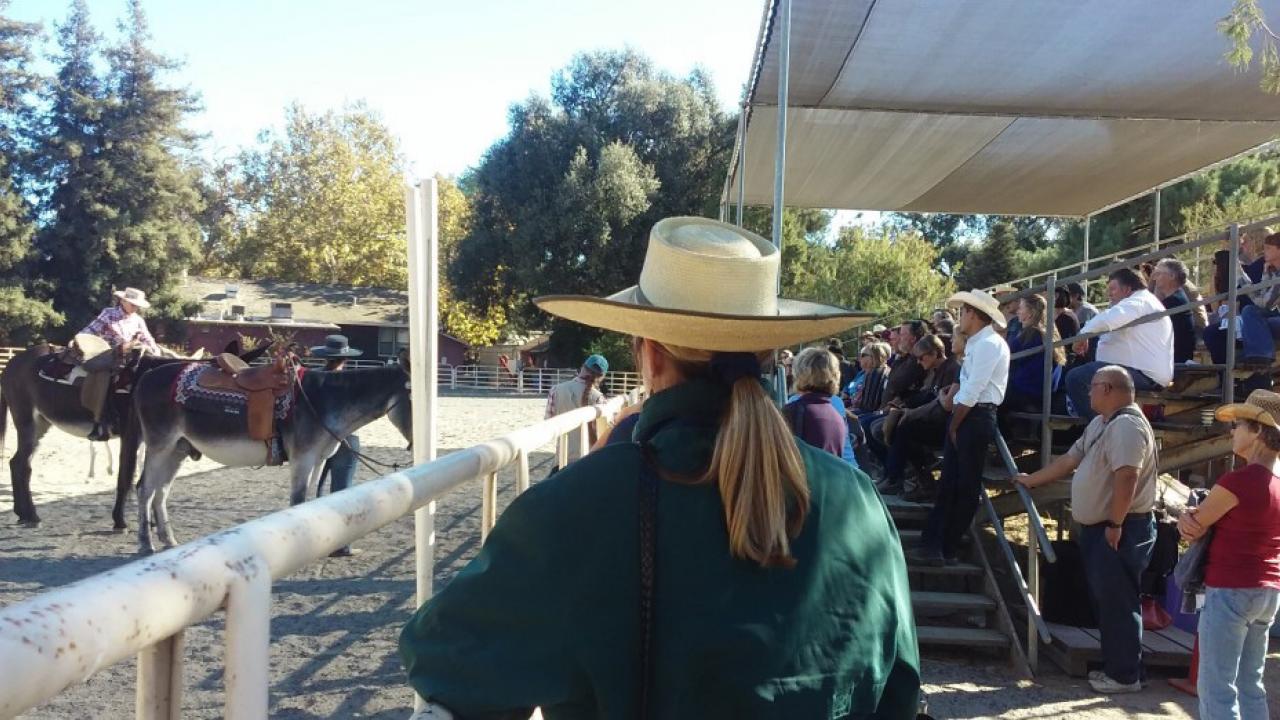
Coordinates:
<point>281,311</point>
<point>232,292</point>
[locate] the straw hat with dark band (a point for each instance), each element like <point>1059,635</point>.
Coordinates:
<point>980,300</point>
<point>1262,406</point>
<point>706,285</point>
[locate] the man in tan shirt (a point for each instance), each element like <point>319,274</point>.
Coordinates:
<point>1113,490</point>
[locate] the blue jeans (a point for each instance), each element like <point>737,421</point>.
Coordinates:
<point>1259,330</point>
<point>1078,385</point>
<point>340,468</point>
<point>1113,587</point>
<point>1233,650</point>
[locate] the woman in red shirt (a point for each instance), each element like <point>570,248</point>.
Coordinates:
<point>1242,577</point>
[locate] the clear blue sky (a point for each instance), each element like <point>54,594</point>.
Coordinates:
<point>442,74</point>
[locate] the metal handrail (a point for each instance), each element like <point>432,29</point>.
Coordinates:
<point>1248,223</point>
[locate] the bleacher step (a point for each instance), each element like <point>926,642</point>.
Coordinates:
<point>961,637</point>
<point>951,601</point>
<point>959,570</point>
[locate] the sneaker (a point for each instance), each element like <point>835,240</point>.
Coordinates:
<point>1101,682</point>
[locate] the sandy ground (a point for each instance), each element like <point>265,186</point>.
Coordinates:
<point>334,624</point>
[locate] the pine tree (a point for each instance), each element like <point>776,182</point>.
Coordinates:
<point>20,315</point>
<point>153,234</point>
<point>74,256</point>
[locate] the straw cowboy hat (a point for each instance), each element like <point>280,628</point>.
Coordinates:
<point>706,285</point>
<point>134,297</point>
<point>980,300</point>
<point>1262,406</point>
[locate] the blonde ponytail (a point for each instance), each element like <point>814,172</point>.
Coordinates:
<point>757,467</point>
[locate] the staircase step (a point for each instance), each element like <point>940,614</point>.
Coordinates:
<point>960,570</point>
<point>963,637</point>
<point>951,601</point>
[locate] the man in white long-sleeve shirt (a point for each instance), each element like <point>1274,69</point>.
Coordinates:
<point>1144,349</point>
<point>971,429</point>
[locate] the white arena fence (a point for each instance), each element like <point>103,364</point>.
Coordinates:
<point>60,638</point>
<point>533,381</point>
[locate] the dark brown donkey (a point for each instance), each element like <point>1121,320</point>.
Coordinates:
<point>30,391</point>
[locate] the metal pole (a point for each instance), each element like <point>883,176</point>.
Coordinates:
<point>1046,390</point>
<point>1085,267</point>
<point>1233,281</point>
<point>742,159</point>
<point>1155,226</point>
<point>780,151</point>
<point>424,283</point>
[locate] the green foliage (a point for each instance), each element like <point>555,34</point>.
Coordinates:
<point>616,348</point>
<point>994,261</point>
<point>564,203</point>
<point>1240,26</point>
<point>321,202</point>
<point>122,205</point>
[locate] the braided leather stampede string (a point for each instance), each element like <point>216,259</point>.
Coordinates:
<point>648,563</point>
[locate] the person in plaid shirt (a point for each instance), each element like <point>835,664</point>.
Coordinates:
<point>123,328</point>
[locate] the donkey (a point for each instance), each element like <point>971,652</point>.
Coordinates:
<point>326,406</point>
<point>38,404</point>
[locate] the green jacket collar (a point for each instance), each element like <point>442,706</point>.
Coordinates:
<point>697,402</point>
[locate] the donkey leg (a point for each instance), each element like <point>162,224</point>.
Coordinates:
<point>111,459</point>
<point>160,509</point>
<point>30,429</point>
<point>93,460</point>
<point>157,472</point>
<point>304,480</point>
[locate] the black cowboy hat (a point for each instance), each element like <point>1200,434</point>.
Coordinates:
<point>335,346</point>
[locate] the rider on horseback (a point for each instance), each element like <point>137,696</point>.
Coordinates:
<point>123,328</point>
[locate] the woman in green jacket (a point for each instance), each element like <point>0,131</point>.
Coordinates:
<point>711,568</point>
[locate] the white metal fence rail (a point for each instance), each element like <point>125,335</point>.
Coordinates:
<point>61,637</point>
<point>534,381</point>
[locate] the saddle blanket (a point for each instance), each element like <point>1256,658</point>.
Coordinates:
<point>188,393</point>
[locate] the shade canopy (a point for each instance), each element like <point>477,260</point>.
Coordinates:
<point>1018,107</point>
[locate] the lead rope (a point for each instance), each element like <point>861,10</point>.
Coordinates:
<point>364,459</point>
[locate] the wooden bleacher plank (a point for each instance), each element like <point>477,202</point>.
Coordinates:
<point>1177,635</point>
<point>1073,648</point>
<point>960,636</point>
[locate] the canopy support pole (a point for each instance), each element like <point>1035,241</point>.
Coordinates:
<point>1085,266</point>
<point>780,152</point>
<point>1155,224</point>
<point>742,158</point>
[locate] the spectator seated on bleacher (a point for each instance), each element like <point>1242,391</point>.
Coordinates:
<point>810,414</point>
<point>906,377</point>
<point>1026,375</point>
<point>1144,349</point>
<point>847,369</point>
<point>1170,280</point>
<point>1080,305</point>
<point>915,432</point>
<point>1259,312</point>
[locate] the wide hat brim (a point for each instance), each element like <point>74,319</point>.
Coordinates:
<point>325,351</point>
<point>982,301</point>
<point>136,302</point>
<point>1245,411</point>
<point>628,312</point>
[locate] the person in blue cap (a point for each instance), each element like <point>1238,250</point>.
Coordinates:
<point>341,466</point>
<point>581,391</point>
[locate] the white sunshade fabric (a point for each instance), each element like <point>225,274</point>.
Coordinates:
<point>1018,107</point>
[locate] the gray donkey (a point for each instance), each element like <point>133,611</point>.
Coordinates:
<point>324,406</point>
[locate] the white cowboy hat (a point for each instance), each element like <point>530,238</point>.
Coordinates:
<point>706,285</point>
<point>981,300</point>
<point>134,297</point>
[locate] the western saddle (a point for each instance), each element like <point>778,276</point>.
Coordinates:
<point>260,384</point>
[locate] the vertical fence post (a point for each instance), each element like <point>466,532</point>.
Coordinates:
<point>584,439</point>
<point>159,694</point>
<point>248,637</point>
<point>424,283</point>
<point>488,505</point>
<point>562,451</point>
<point>522,470</point>
<point>520,381</point>
<point>1233,287</point>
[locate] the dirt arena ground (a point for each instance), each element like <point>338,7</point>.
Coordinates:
<point>334,624</point>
